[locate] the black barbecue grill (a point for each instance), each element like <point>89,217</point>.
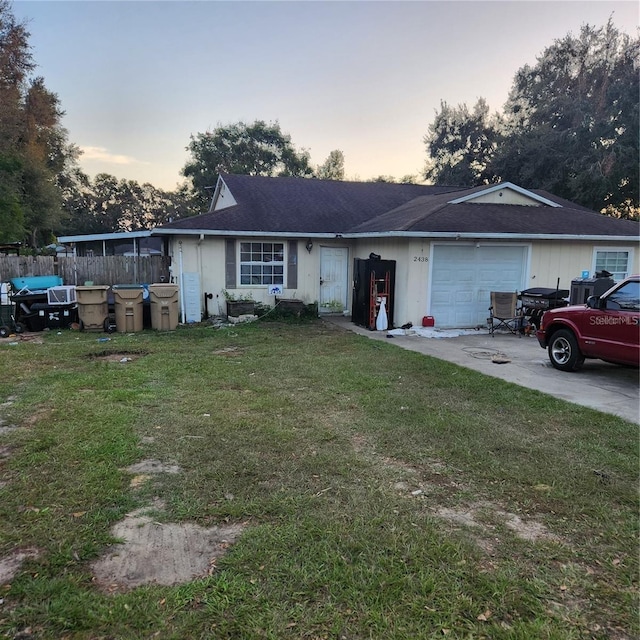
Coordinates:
<point>537,300</point>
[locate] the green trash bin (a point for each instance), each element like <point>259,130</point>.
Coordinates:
<point>93,307</point>
<point>128,306</point>
<point>164,306</point>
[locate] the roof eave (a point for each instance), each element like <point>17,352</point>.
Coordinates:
<point>247,234</point>
<point>455,235</point>
<point>94,237</point>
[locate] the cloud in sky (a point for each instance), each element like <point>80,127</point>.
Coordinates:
<point>101,154</point>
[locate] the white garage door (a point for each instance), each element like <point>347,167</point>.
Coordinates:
<point>462,277</point>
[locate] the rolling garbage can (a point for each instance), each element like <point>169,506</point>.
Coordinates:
<point>93,308</point>
<point>128,305</point>
<point>164,306</point>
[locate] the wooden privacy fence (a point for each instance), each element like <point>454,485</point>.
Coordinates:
<point>99,269</point>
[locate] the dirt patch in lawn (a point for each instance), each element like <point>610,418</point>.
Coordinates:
<point>229,352</point>
<point>153,466</point>
<point>167,554</point>
<point>10,565</point>
<point>486,516</point>
<point>153,552</point>
<point>117,356</point>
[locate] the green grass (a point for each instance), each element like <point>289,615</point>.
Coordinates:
<point>316,439</point>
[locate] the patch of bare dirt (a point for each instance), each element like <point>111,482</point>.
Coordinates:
<point>359,443</point>
<point>117,356</point>
<point>6,428</point>
<point>161,553</point>
<point>153,466</point>
<point>10,565</point>
<point>228,352</point>
<point>140,480</point>
<point>37,416</point>
<point>530,529</point>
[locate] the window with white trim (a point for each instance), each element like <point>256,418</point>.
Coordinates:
<point>261,263</point>
<point>614,261</point>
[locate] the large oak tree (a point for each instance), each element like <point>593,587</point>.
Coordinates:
<point>256,149</point>
<point>570,126</point>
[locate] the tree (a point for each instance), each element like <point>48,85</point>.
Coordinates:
<point>33,143</point>
<point>257,149</point>
<point>332,168</point>
<point>16,64</point>
<point>382,178</point>
<point>460,144</point>
<point>107,205</point>
<point>571,121</point>
<point>570,126</point>
<point>11,214</point>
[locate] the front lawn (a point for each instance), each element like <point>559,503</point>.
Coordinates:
<point>380,493</point>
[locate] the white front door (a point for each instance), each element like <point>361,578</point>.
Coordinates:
<point>463,277</point>
<point>334,273</point>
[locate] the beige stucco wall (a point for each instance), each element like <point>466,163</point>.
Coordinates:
<point>553,259</point>
<point>547,261</point>
<point>412,272</point>
<point>206,257</point>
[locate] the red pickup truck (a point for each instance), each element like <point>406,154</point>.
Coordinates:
<point>606,328</point>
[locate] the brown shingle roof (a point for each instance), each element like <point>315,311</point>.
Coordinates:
<point>302,205</point>
<point>435,215</point>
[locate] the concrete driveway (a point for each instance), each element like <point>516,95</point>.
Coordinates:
<point>599,385</point>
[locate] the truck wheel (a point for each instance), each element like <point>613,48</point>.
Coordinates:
<point>564,352</point>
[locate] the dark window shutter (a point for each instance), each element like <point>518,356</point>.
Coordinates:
<point>292,265</point>
<point>230,264</point>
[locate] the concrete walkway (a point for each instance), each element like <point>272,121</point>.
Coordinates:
<point>599,385</point>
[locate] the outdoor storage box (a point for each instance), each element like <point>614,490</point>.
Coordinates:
<point>93,307</point>
<point>164,306</point>
<point>49,316</point>
<point>128,306</point>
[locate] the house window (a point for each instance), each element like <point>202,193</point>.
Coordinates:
<point>614,261</point>
<point>261,263</point>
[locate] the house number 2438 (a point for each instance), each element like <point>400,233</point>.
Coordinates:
<point>420,259</point>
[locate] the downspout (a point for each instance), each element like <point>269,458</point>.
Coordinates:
<point>182,305</point>
<point>199,259</point>
<point>136,257</point>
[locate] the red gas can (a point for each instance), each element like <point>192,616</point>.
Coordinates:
<point>428,321</point>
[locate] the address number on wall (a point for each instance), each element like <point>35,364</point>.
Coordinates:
<point>420,259</point>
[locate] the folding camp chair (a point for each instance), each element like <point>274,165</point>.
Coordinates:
<point>504,312</point>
